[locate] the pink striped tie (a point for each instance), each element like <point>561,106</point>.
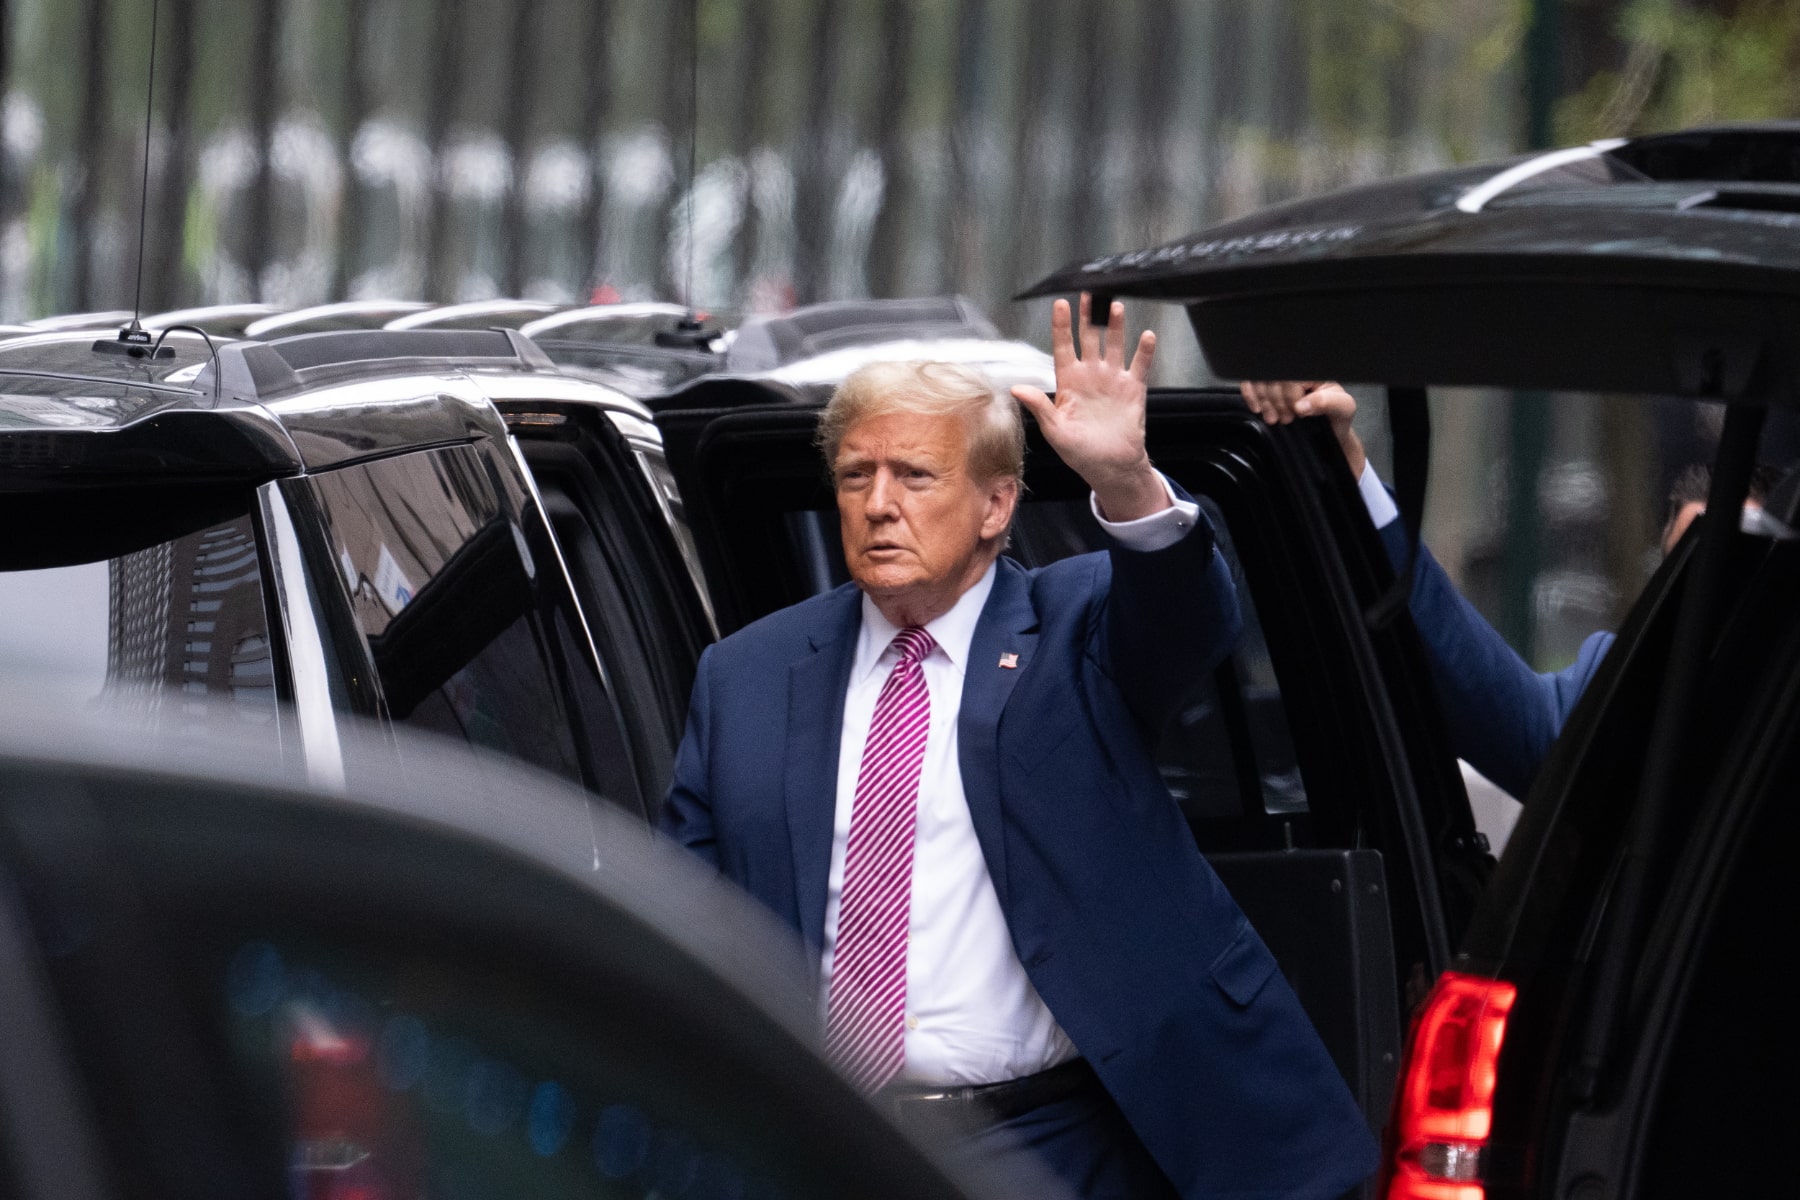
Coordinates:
<point>865,1024</point>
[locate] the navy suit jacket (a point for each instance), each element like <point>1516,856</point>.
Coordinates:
<point>1502,715</point>
<point>1125,931</point>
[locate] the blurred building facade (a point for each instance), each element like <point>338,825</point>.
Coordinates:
<point>754,154</point>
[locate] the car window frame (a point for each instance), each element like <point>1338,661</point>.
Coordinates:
<point>355,662</point>
<point>584,462</point>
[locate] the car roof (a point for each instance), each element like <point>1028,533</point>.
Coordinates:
<point>766,342</point>
<point>109,319</point>
<point>259,410</point>
<point>70,353</point>
<point>229,320</point>
<point>1662,265</point>
<point>810,381</point>
<point>608,322</point>
<point>476,314</point>
<point>325,318</point>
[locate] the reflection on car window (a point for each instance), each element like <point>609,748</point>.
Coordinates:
<point>414,1079</point>
<point>445,588</point>
<point>157,615</point>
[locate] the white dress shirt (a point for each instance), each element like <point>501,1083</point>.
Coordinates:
<point>972,1015</point>
<point>1375,498</point>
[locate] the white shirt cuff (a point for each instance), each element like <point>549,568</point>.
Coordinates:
<point>1159,530</point>
<point>1382,509</point>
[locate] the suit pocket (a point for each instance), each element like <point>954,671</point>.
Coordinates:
<point>1243,967</point>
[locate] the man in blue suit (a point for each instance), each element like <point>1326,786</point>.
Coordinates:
<point>1502,715</point>
<point>940,775</point>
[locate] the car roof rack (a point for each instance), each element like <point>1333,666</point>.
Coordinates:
<point>265,370</point>
<point>766,342</point>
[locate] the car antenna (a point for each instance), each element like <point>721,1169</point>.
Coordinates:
<point>690,332</point>
<point>134,341</point>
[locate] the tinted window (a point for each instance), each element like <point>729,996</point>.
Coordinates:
<point>466,620</point>
<point>150,602</point>
<point>631,580</point>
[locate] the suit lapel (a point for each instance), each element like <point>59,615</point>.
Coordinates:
<point>817,681</point>
<point>1008,626</point>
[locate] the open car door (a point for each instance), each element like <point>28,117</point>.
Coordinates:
<point>1603,1017</point>
<point>1310,766</point>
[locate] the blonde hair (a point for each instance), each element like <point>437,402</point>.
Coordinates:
<point>996,430</point>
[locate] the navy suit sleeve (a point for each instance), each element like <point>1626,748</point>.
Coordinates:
<point>1502,715</point>
<point>1170,616</point>
<point>687,814</point>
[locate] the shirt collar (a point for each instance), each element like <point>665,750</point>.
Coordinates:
<point>953,632</point>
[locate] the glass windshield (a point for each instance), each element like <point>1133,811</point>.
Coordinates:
<point>150,604</point>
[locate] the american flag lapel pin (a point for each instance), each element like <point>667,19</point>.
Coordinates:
<point>1010,661</point>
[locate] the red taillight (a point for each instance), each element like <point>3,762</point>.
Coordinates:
<point>1444,1111</point>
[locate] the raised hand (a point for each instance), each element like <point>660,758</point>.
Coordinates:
<point>1096,422</point>
<point>1282,403</point>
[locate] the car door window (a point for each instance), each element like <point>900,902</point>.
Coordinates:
<point>150,605</point>
<point>633,585</point>
<point>468,627</point>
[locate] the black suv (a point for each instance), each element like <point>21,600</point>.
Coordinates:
<point>430,528</point>
<point>1612,1024</point>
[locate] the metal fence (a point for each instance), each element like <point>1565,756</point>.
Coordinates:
<point>306,150</point>
<point>309,150</point>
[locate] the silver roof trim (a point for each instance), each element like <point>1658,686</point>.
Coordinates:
<point>342,308</point>
<point>430,317</point>
<point>1477,198</point>
<point>600,312</point>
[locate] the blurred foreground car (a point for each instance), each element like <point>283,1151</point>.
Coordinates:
<point>458,979</point>
<point>1614,1022</point>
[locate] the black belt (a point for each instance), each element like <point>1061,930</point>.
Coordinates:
<point>976,1106</point>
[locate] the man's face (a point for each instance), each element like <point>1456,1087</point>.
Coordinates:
<point>918,528</point>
